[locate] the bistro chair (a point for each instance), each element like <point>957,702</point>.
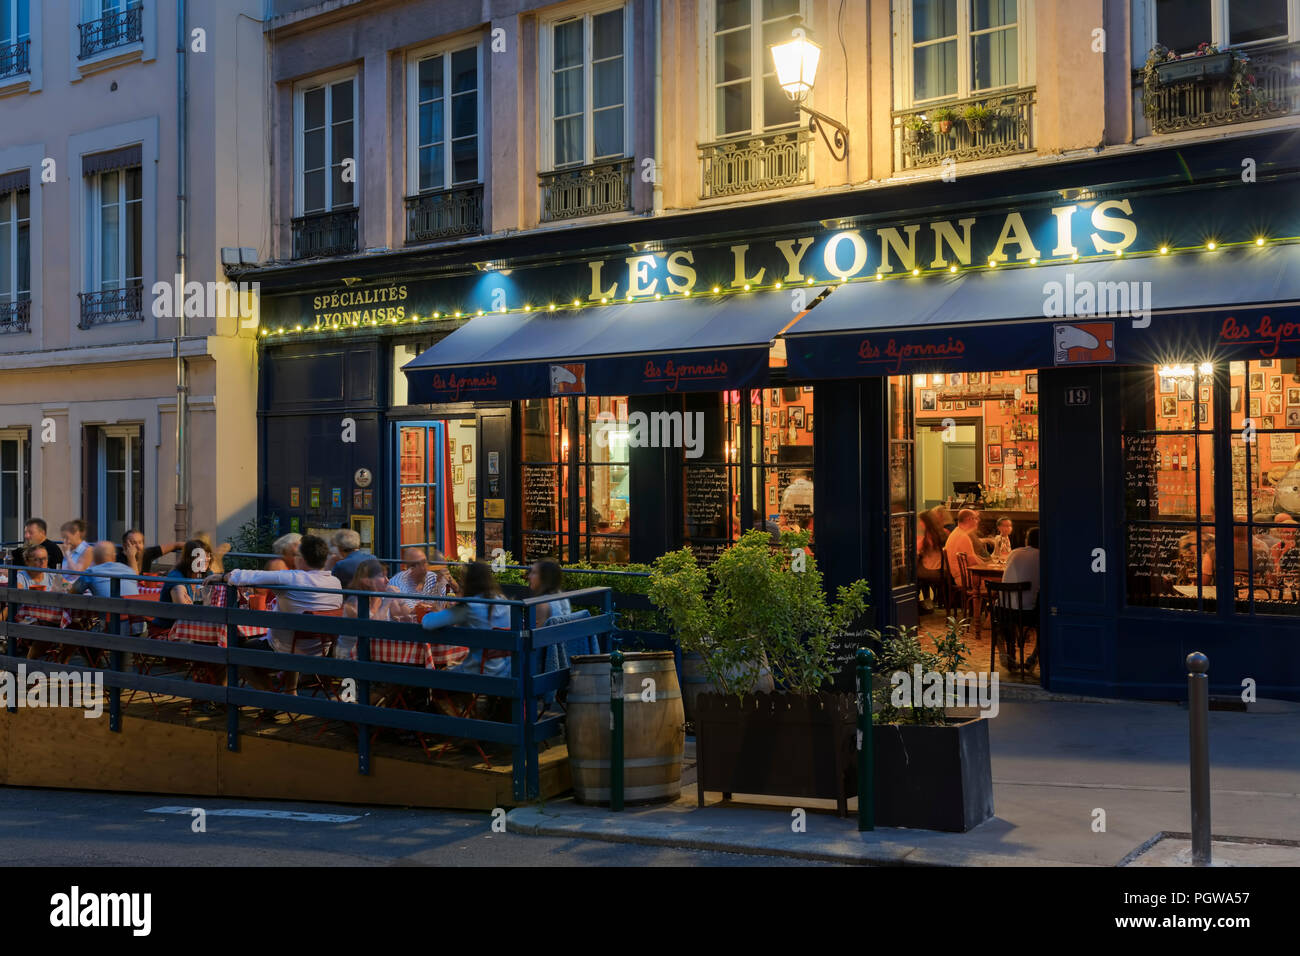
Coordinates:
<point>967,596</point>
<point>1007,621</point>
<point>946,587</point>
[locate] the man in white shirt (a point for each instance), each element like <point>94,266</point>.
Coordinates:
<point>309,572</point>
<point>417,578</point>
<point>1023,566</point>
<point>77,553</point>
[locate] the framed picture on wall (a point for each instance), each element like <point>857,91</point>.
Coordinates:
<point>945,406</point>
<point>1205,393</point>
<point>1266,421</point>
<point>1031,383</point>
<point>472,487</point>
<point>810,418</point>
<point>995,454</point>
<point>785,418</point>
<point>771,496</point>
<point>1293,417</point>
<point>796,415</point>
<point>993,434</point>
<point>1168,406</point>
<point>471,510</point>
<point>466,453</point>
<point>1274,406</point>
<point>995,478</point>
<point>1254,408</point>
<point>995,375</point>
<point>954,378</point>
<point>1234,399</point>
<point>1202,412</point>
<point>929,400</point>
<point>451,446</point>
<point>1275,383</point>
<point>1257,381</point>
<point>1265,363</point>
<point>807,388</point>
<point>972,378</point>
<point>1185,392</point>
<point>959,406</point>
<point>1166,385</point>
<point>1293,396</point>
<point>776,397</point>
<point>458,476</point>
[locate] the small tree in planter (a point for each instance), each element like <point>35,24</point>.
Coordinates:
<point>758,608</point>
<point>931,770</point>
<point>944,117</point>
<point>977,117</point>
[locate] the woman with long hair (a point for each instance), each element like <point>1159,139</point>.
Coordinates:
<point>931,536</point>
<point>545,577</point>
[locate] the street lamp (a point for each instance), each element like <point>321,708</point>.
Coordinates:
<point>796,69</point>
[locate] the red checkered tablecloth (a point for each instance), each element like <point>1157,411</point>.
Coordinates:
<point>385,651</point>
<point>198,632</point>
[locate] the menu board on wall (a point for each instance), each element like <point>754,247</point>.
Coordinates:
<point>1158,552</point>
<point>541,497</point>
<point>706,552</point>
<point>413,522</point>
<point>707,495</point>
<point>540,546</point>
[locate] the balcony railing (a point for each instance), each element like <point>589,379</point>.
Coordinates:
<point>1203,101</point>
<point>325,234</point>
<point>116,29</point>
<point>112,305</point>
<point>444,214</point>
<point>15,58</point>
<point>587,190</point>
<point>16,316</point>
<point>771,161</point>
<point>982,127</point>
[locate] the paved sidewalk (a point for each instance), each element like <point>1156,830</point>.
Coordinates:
<point>1055,765</point>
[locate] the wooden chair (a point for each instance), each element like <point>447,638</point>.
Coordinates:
<point>947,589</point>
<point>968,597</point>
<point>1007,622</point>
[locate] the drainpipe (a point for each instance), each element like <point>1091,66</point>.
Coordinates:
<point>182,526</point>
<point>659,109</point>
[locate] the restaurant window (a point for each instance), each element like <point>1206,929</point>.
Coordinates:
<point>711,518</point>
<point>746,96</point>
<point>585,91</point>
<point>445,119</point>
<point>326,166</point>
<point>1264,409</point>
<point>961,48</point>
<point>1183,25</point>
<point>15,471</point>
<point>1168,473</point>
<point>781,454</point>
<point>603,477</point>
<point>902,512</point>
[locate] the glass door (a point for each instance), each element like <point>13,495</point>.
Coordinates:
<point>420,470</point>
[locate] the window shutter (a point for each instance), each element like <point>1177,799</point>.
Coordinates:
<point>19,181</point>
<point>97,163</point>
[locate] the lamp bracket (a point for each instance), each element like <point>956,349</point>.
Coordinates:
<point>839,143</point>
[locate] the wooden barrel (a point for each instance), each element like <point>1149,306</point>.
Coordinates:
<point>654,732</point>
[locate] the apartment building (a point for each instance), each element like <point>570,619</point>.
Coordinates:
<point>891,256</point>
<point>102,197</point>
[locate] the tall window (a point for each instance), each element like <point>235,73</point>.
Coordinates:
<point>1182,25</point>
<point>711,472</point>
<point>13,485</point>
<point>961,48</point>
<point>116,230</point>
<point>327,150</point>
<point>587,88</point>
<point>15,252</point>
<point>746,95</point>
<point>119,481</point>
<point>445,120</point>
<point>1169,488</point>
<point>1265,427</point>
<point>902,510</point>
<point>419,484</point>
<point>544,481</point>
<point>781,452</point>
<point>109,23</point>
<point>15,34</point>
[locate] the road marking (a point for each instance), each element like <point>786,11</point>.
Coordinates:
<point>266,814</point>
<point>1151,789</point>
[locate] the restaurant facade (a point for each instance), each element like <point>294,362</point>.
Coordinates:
<point>1104,349</point>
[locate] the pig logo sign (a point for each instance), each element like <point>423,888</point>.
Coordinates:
<point>1083,343</point>
<point>569,379</point>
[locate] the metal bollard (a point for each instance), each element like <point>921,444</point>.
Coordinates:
<point>866,770</point>
<point>616,730</point>
<point>1198,713</point>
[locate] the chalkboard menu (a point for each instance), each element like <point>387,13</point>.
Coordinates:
<point>541,497</point>
<point>706,552</point>
<point>413,523</point>
<point>799,504</point>
<point>1141,476</point>
<point>538,546</point>
<point>707,496</point>
<point>1158,558</point>
<point>844,655</point>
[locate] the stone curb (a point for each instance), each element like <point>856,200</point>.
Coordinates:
<point>530,821</point>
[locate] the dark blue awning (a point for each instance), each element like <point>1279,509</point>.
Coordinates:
<point>1242,303</point>
<point>674,345</point>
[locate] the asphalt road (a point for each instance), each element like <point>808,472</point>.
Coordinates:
<point>65,828</point>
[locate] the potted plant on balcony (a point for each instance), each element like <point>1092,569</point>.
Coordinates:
<point>1163,67</point>
<point>944,117</point>
<point>931,759</point>
<point>757,609</point>
<point>918,129</point>
<point>977,117</point>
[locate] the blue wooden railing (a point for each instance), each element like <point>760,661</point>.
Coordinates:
<point>525,642</point>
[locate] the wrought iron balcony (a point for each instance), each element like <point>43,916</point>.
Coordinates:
<point>1211,100</point>
<point>116,29</point>
<point>112,305</point>
<point>15,58</point>
<point>756,163</point>
<point>979,127</point>
<point>444,214</point>
<point>325,234</point>
<point>16,316</point>
<point>587,190</point>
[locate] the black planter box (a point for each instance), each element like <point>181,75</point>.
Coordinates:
<point>933,777</point>
<point>1191,68</point>
<point>781,745</point>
